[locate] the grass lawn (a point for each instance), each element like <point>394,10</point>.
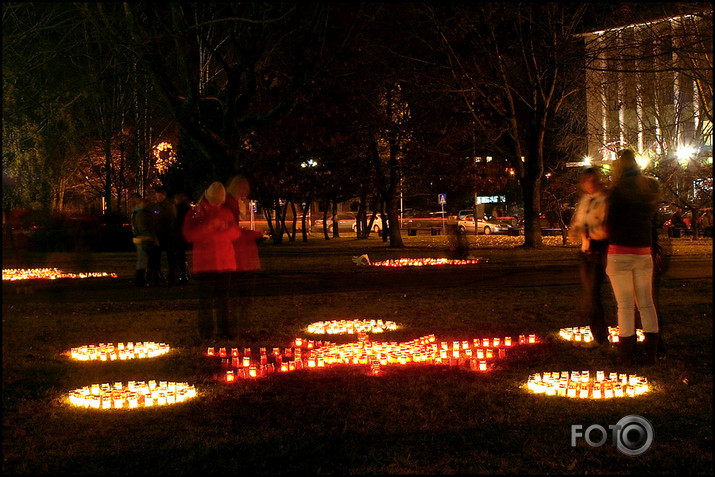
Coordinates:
<point>340,420</point>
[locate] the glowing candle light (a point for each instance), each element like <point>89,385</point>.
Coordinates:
<point>579,385</point>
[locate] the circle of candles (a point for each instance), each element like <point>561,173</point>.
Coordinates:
<point>13,274</point>
<point>104,352</point>
<point>132,396</point>
<point>341,327</point>
<point>582,385</point>
<point>583,334</point>
<point>420,262</point>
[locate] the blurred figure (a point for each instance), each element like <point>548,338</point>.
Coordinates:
<point>705,222</point>
<point>632,206</point>
<point>164,220</point>
<point>677,222</point>
<point>458,242</point>
<point>245,248</point>
<point>211,228</point>
<point>16,236</point>
<point>145,239</point>
<point>183,206</point>
<point>587,226</point>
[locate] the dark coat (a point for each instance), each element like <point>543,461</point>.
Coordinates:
<point>632,206</point>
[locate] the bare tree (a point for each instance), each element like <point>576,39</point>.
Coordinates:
<point>514,66</point>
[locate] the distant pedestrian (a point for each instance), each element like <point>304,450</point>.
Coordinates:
<point>211,228</point>
<point>164,220</point>
<point>144,238</point>
<point>588,227</point>
<point>245,248</point>
<point>632,206</point>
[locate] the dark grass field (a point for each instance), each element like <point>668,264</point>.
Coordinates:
<point>340,420</point>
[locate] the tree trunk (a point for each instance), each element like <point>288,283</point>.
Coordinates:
<point>294,223</point>
<point>393,216</point>
<point>532,211</point>
<point>325,221</point>
<point>108,177</point>
<point>303,219</point>
<point>336,232</point>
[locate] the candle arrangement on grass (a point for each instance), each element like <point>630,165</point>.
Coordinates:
<point>421,262</point>
<point>584,386</point>
<point>583,334</point>
<point>133,395</point>
<point>13,274</point>
<point>477,355</point>
<point>350,327</point>
<point>110,352</point>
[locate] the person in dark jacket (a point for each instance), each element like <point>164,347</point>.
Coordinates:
<point>144,239</point>
<point>211,228</point>
<point>183,206</point>
<point>632,204</point>
<point>165,221</point>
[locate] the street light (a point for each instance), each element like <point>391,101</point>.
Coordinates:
<point>684,153</point>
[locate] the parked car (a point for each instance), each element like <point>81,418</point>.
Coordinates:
<point>463,213</point>
<point>433,222</point>
<point>346,222</point>
<point>376,225</point>
<point>468,225</point>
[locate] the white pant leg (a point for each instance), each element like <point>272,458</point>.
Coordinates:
<point>619,271</point>
<point>643,282</point>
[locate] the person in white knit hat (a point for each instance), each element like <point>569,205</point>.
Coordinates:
<point>211,228</point>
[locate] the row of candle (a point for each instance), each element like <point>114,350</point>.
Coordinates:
<point>49,274</point>
<point>109,352</point>
<point>420,262</point>
<point>464,347</point>
<point>580,385</point>
<point>341,327</point>
<point>135,394</point>
<point>583,334</point>
<point>424,350</point>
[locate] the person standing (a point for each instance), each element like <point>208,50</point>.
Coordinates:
<point>183,206</point>
<point>144,239</point>
<point>632,205</point>
<point>211,228</point>
<point>164,218</point>
<point>245,248</point>
<point>588,227</point>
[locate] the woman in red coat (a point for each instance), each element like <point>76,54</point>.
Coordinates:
<point>245,248</point>
<point>211,228</point>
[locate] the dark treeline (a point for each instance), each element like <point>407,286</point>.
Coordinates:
<point>314,102</point>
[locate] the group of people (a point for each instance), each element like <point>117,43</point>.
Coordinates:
<point>224,254</point>
<point>619,239</point>
<point>156,226</point>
